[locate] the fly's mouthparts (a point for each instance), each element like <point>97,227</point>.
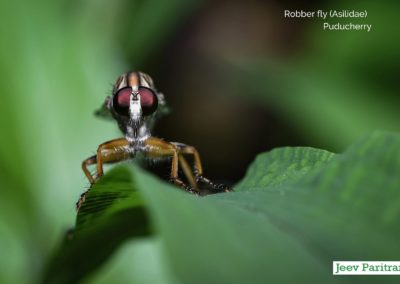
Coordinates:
<point>135,132</point>
<point>133,128</point>
<point>135,122</point>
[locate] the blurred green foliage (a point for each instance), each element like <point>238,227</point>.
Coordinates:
<point>341,85</point>
<point>59,58</point>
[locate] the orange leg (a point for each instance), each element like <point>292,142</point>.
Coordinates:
<point>108,152</point>
<point>187,170</point>
<point>119,150</point>
<point>111,152</point>
<point>197,161</point>
<point>198,169</point>
<point>89,161</point>
<point>158,148</point>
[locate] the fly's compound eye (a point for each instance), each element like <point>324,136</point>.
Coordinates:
<point>148,100</point>
<point>121,101</point>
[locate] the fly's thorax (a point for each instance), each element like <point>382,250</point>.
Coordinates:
<point>133,79</point>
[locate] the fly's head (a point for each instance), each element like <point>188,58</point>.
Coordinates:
<point>134,104</point>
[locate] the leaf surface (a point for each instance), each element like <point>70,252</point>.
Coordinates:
<point>296,211</point>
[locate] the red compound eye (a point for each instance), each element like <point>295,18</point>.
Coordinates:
<point>148,100</point>
<point>121,101</point>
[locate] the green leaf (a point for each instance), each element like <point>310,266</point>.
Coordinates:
<point>136,261</point>
<point>296,211</point>
<point>101,226</point>
<point>282,165</point>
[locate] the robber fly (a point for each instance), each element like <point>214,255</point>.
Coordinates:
<point>135,104</point>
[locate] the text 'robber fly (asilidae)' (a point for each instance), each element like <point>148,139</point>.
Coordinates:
<point>135,104</point>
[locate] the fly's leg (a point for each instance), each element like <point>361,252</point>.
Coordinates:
<point>108,152</point>
<point>89,161</point>
<point>81,200</point>
<point>215,186</point>
<point>187,170</point>
<point>159,148</point>
<point>198,170</point>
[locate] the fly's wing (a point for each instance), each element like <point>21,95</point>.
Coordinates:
<point>104,110</point>
<point>163,109</point>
